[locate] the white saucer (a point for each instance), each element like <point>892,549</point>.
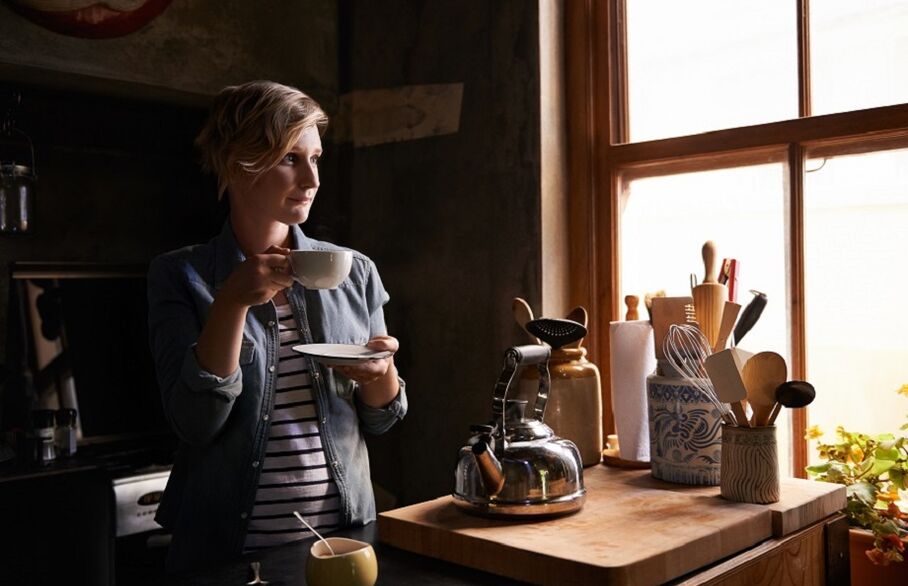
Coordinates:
<point>340,354</point>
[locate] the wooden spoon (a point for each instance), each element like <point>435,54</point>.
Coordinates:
<point>763,373</point>
<point>579,315</point>
<point>523,314</point>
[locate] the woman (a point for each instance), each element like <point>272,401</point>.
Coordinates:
<point>264,431</point>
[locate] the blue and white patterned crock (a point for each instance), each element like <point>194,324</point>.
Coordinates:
<point>685,432</point>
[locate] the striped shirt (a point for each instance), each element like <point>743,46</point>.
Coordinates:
<point>295,475</point>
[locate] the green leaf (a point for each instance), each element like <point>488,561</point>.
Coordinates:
<point>862,491</point>
<point>880,466</point>
<point>820,468</point>
<point>886,451</point>
<point>886,527</point>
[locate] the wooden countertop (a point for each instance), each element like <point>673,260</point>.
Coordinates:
<point>633,529</point>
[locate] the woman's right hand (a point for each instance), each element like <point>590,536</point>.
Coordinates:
<point>259,278</point>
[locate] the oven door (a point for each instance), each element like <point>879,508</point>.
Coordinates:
<point>141,544</point>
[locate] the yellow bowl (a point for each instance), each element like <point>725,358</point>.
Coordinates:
<point>353,563</point>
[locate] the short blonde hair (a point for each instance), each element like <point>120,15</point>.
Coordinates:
<point>252,126</point>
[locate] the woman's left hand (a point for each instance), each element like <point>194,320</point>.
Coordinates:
<point>372,370</point>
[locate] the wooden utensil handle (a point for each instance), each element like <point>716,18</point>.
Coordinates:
<point>774,413</point>
<point>631,301</point>
<point>737,407</point>
<point>709,262</point>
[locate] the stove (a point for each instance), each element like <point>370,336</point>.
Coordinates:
<point>136,500</point>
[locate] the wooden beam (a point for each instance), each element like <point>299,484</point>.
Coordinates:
<point>870,123</point>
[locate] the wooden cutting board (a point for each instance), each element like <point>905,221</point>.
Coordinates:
<point>633,529</point>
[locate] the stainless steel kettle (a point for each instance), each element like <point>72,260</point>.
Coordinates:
<point>515,465</point>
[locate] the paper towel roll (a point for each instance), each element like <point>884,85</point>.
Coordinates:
<point>631,360</point>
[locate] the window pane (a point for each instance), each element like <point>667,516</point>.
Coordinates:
<point>665,221</point>
<point>857,54</point>
<point>856,247</point>
<point>700,66</point>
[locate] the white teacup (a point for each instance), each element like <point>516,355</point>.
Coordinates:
<point>321,269</point>
<point>353,563</point>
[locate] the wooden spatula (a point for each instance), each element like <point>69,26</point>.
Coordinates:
<point>710,296</point>
<point>763,373</point>
<point>724,370</point>
<point>729,315</point>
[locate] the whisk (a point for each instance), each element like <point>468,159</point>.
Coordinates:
<point>686,349</point>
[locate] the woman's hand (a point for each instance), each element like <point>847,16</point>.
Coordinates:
<point>253,282</point>
<point>259,278</point>
<point>367,372</point>
<point>377,378</point>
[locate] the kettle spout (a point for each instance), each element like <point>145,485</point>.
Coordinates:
<point>489,468</point>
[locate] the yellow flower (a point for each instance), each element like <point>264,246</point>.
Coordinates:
<point>814,432</point>
<point>889,497</point>
<point>903,390</point>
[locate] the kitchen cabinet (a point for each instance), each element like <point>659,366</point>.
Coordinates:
<point>63,522</point>
<point>56,525</point>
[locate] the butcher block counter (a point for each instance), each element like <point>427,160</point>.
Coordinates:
<point>633,529</point>
<point>636,530</point>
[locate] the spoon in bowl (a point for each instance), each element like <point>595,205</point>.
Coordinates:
<point>256,578</point>
<point>312,529</point>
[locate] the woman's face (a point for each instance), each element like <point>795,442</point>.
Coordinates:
<point>286,192</point>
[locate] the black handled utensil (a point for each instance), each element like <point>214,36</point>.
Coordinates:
<point>556,332</point>
<point>793,394</point>
<point>750,315</point>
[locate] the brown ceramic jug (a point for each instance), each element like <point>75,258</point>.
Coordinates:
<point>574,408</point>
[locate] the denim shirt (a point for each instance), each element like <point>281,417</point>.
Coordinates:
<point>223,423</point>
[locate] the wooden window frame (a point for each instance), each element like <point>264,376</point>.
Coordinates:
<point>600,159</point>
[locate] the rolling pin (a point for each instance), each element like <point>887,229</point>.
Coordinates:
<point>710,296</point>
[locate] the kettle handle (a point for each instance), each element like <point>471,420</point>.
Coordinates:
<point>514,358</point>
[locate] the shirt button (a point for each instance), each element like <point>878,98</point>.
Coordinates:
<point>255,464</point>
<point>265,418</point>
<point>271,368</point>
<point>334,463</point>
<point>271,324</point>
<point>315,374</point>
<point>243,515</point>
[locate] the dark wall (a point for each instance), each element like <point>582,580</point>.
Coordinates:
<point>452,221</point>
<point>117,178</point>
